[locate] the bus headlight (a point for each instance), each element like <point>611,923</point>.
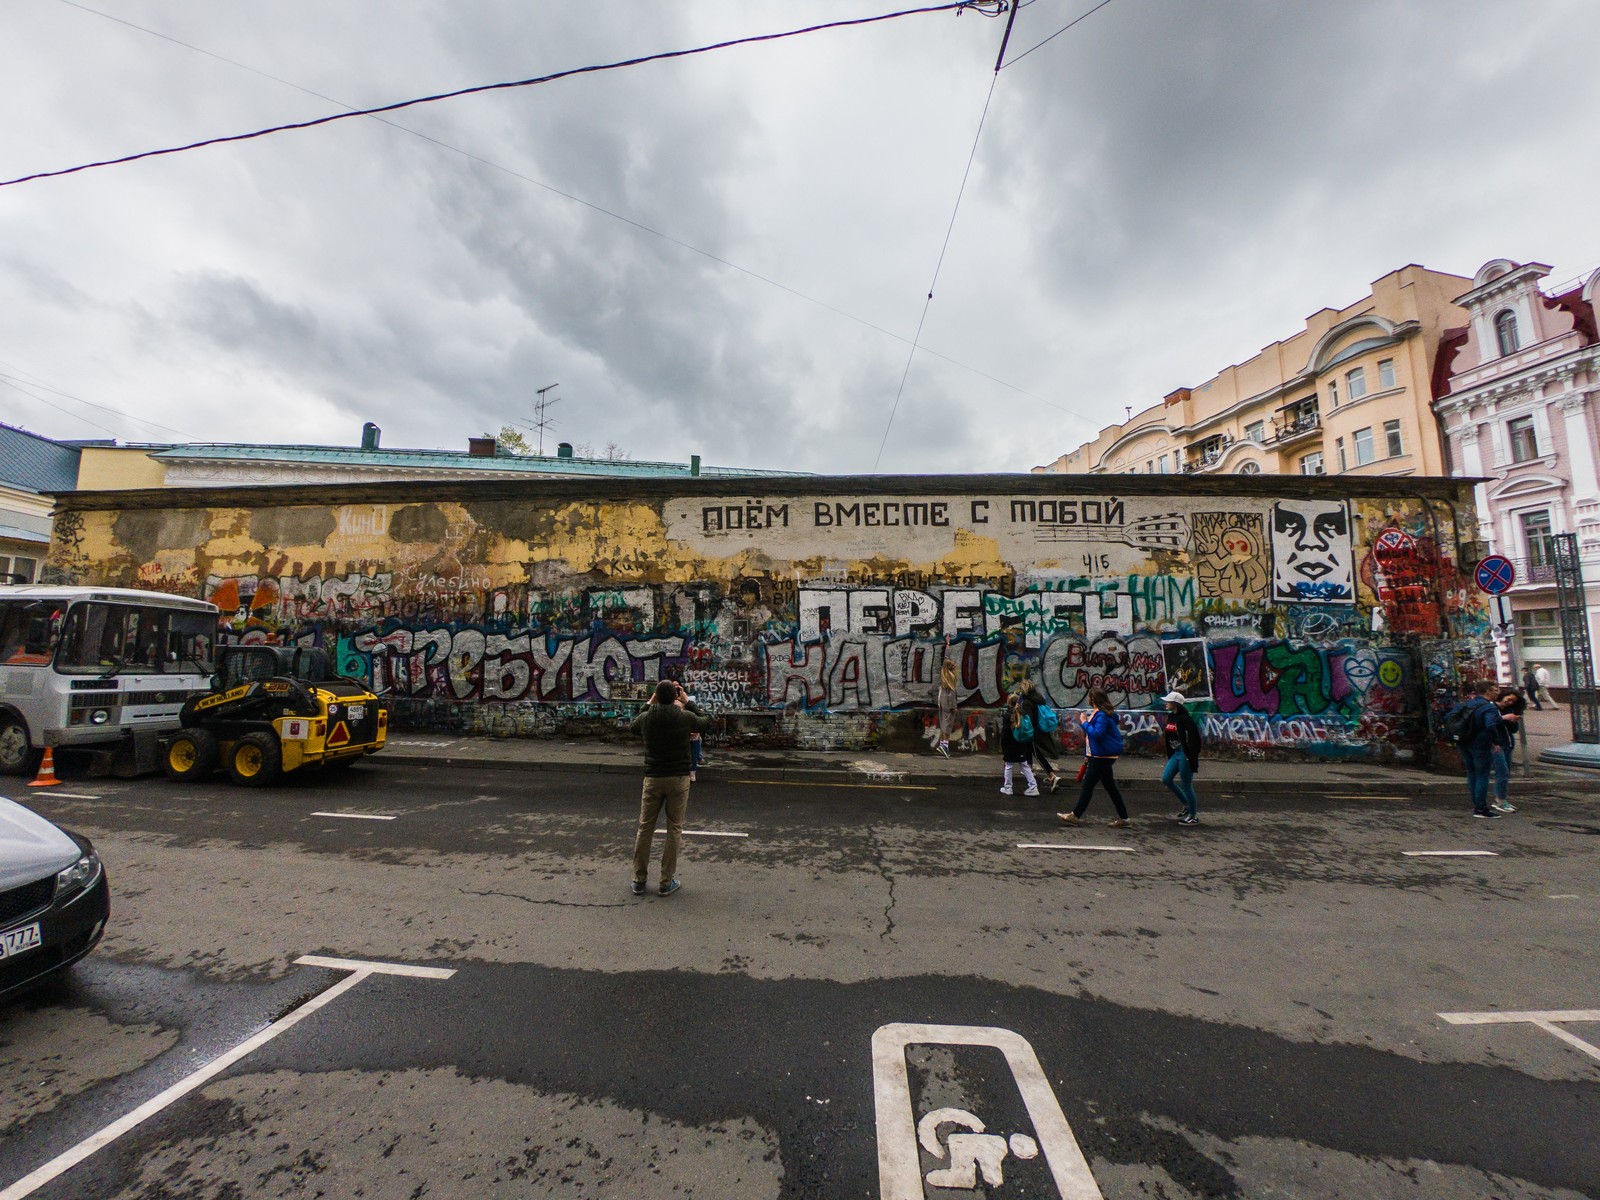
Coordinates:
<point>99,716</point>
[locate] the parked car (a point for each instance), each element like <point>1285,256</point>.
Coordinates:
<point>54,898</point>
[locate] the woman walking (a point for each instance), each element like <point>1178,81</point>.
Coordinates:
<point>949,677</point>
<point>1037,705</point>
<point>1181,737</point>
<point>1016,746</point>
<point>1103,746</point>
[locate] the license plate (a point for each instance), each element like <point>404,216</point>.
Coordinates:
<point>358,712</point>
<point>16,941</point>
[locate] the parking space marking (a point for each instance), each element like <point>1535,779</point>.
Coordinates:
<point>354,816</point>
<point>703,833</point>
<point>1549,1021</point>
<point>1451,853</point>
<point>900,1133</point>
<point>806,783</point>
<point>358,969</point>
<point>1069,846</point>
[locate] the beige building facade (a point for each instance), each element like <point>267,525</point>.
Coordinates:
<point>1350,394</point>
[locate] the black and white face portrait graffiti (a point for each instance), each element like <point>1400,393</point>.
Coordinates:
<point>1312,558</point>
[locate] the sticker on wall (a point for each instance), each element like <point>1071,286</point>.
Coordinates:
<point>1187,668</point>
<point>1313,561</point>
<point>1230,556</point>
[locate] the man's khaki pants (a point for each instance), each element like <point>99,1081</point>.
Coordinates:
<point>671,791</point>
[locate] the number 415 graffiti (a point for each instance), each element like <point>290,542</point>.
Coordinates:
<point>975,1152</point>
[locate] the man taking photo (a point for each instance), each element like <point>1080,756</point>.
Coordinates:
<point>665,725</point>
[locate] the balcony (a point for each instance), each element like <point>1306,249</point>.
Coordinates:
<point>1207,453</point>
<point>1286,432</point>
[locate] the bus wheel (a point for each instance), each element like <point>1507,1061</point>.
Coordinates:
<point>191,754</point>
<point>17,755</point>
<point>257,759</point>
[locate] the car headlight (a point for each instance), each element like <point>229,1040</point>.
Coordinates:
<point>79,876</point>
<point>100,716</point>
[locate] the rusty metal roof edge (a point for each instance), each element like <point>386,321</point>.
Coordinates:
<point>411,491</point>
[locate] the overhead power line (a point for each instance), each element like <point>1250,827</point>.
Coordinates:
<point>1092,422</point>
<point>986,7</point>
<point>15,382</point>
<point>1057,33</point>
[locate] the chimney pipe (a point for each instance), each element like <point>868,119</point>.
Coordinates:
<point>370,434</point>
<point>482,447</point>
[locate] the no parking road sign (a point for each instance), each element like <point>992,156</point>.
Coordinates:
<point>1495,574</point>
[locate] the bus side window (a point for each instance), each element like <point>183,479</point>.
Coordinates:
<point>43,625</point>
<point>26,634</point>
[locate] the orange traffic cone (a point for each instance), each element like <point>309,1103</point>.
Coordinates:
<point>47,771</point>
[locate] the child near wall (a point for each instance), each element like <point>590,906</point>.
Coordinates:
<point>1015,749</point>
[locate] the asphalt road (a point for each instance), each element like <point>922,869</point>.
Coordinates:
<point>1245,1009</point>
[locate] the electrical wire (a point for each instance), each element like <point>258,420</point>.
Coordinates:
<point>1058,32</point>
<point>926,304</point>
<point>1089,421</point>
<point>986,7</point>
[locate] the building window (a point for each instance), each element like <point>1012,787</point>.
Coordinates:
<point>1362,440</point>
<point>1356,383</point>
<point>1386,377</point>
<point>1311,464</point>
<point>1524,439</point>
<point>1249,468</point>
<point>1505,332</point>
<point>1163,463</point>
<point>1538,628</point>
<point>1393,442</point>
<point>18,569</point>
<point>1536,537</point>
<point>1256,431</point>
<point>1338,446</point>
<point>1333,393</point>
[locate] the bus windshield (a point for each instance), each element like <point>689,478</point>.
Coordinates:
<point>107,639</point>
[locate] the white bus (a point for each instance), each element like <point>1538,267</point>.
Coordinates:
<point>93,667</point>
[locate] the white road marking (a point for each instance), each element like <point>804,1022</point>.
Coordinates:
<point>1566,896</point>
<point>1451,853</point>
<point>1067,846</point>
<point>703,833</point>
<point>64,1162</point>
<point>1545,1020</point>
<point>354,816</point>
<point>76,796</point>
<point>899,1164</point>
<point>806,783</point>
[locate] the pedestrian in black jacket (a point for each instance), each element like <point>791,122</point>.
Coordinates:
<point>1181,737</point>
<point>665,725</point>
<point>1034,699</point>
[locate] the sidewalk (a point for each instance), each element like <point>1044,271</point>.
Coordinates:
<point>979,771</point>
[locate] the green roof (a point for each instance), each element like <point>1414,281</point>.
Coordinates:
<point>455,461</point>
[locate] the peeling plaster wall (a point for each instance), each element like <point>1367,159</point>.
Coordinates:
<point>1305,618</point>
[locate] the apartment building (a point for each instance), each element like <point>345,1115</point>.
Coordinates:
<point>1517,404</point>
<point>1349,394</point>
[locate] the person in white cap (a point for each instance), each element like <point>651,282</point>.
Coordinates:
<point>1182,739</point>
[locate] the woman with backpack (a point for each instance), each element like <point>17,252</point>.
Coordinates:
<point>1016,745</point>
<point>1037,705</point>
<point>1102,744</point>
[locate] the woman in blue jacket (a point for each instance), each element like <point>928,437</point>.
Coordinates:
<point>1103,746</point>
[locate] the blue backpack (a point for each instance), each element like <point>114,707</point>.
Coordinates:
<point>1048,721</point>
<point>1024,730</point>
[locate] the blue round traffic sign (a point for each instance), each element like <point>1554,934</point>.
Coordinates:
<point>1495,574</point>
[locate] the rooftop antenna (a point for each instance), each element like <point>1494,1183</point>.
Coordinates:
<point>541,411</point>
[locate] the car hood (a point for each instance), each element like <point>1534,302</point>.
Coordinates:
<point>30,847</point>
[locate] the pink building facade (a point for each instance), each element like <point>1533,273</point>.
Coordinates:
<point>1517,394</point>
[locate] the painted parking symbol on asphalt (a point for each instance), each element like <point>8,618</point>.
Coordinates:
<point>974,1153</point>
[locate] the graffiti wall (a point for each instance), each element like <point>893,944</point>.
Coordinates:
<point>1309,618</point>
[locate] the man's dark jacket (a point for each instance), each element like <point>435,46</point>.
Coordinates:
<point>666,729</point>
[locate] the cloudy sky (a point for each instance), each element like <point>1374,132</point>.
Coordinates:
<point>729,254</point>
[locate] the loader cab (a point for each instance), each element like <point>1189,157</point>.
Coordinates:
<point>248,664</point>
